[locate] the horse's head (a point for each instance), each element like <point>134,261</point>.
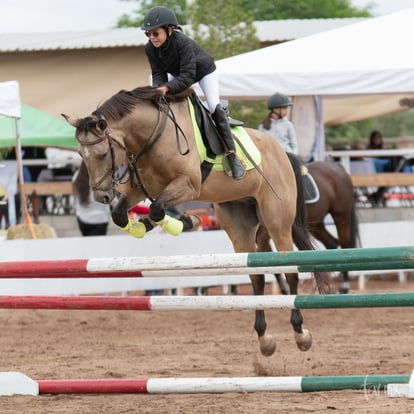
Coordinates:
<point>101,154</point>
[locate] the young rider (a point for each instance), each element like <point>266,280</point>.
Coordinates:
<point>278,125</point>
<point>177,62</point>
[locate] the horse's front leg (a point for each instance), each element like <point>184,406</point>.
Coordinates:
<point>177,192</point>
<point>121,218</point>
<point>303,336</point>
<point>266,341</point>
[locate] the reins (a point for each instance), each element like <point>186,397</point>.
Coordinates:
<point>258,169</point>
<point>164,108</point>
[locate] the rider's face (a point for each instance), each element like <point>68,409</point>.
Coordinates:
<point>279,112</point>
<point>157,36</point>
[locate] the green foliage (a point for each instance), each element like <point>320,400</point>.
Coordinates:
<point>144,6</point>
<point>304,9</point>
<point>250,112</point>
<point>208,11</point>
<point>223,27</point>
<point>356,133</point>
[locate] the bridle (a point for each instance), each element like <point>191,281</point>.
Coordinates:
<point>164,113</point>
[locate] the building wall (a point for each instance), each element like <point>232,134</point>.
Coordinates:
<point>74,82</point>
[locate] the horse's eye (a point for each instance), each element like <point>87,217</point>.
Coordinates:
<point>102,155</point>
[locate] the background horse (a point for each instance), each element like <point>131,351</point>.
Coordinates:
<point>139,132</point>
<point>337,199</point>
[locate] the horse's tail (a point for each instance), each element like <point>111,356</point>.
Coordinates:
<point>300,233</point>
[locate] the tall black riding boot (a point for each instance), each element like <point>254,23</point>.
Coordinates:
<point>220,119</point>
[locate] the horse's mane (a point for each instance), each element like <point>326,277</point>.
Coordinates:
<point>123,102</point>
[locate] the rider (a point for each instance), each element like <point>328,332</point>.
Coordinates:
<point>177,62</point>
<point>278,125</point>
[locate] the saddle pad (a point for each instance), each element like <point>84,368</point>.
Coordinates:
<point>311,189</point>
<point>241,135</point>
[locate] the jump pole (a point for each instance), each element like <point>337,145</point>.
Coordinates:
<point>333,267</point>
<point>221,385</point>
<point>25,386</point>
<point>245,302</point>
<point>296,261</point>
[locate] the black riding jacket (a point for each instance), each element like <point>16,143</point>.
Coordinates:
<point>183,58</point>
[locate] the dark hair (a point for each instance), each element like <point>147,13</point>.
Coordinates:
<point>81,185</point>
<point>266,123</point>
<point>372,144</point>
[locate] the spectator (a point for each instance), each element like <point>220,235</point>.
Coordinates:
<point>382,164</point>
<point>375,140</point>
<point>92,217</point>
<point>278,125</point>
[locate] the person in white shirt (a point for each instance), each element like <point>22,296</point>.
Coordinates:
<point>278,125</point>
<point>93,217</point>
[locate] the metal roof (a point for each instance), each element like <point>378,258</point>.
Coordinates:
<point>267,31</point>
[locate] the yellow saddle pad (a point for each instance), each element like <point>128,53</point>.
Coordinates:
<point>247,143</point>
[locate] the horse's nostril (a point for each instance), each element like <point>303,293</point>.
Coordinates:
<point>106,200</point>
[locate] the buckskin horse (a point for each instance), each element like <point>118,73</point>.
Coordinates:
<point>336,197</point>
<point>138,145</point>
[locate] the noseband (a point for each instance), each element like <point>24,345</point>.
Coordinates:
<point>115,180</point>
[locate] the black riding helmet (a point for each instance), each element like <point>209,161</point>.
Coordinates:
<point>278,100</point>
<point>159,16</point>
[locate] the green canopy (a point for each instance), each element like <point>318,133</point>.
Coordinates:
<point>37,128</point>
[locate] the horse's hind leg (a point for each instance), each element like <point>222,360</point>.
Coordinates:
<point>302,336</point>
<point>263,245</point>
<point>240,222</point>
<point>266,341</point>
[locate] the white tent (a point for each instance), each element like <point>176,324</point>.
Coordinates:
<point>362,70</point>
<point>10,99</point>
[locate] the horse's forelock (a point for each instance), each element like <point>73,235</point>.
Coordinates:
<point>87,125</point>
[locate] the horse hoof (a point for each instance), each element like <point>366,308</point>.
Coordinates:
<point>303,340</point>
<point>267,345</point>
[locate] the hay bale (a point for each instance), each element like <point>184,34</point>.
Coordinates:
<point>22,231</point>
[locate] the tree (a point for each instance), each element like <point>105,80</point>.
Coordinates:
<point>223,27</point>
<point>144,6</point>
<point>304,9</point>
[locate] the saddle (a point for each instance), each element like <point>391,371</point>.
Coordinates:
<point>209,134</point>
<point>310,188</point>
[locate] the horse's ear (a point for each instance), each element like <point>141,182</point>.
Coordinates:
<point>69,120</point>
<point>101,125</point>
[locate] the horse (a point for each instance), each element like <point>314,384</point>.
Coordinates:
<point>336,197</point>
<point>138,144</point>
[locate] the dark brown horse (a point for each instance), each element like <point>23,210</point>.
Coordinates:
<point>336,197</point>
<point>136,145</point>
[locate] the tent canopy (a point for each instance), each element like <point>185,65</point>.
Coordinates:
<point>37,128</point>
<point>361,70</point>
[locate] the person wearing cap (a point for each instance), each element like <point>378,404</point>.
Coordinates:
<point>177,62</point>
<point>278,125</point>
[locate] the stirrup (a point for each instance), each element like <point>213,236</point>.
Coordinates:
<point>235,163</point>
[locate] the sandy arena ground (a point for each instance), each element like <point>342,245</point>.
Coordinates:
<point>49,344</point>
